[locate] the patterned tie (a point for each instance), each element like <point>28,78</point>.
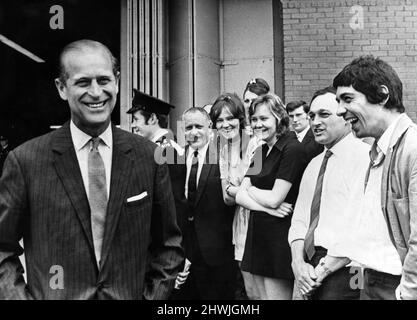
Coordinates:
<point>192,184</point>
<point>377,158</point>
<point>97,195</point>
<point>315,209</point>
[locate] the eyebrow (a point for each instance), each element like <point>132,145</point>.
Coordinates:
<point>319,111</point>
<point>84,77</point>
<point>81,79</point>
<point>345,94</point>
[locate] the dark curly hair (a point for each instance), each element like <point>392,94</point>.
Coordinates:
<point>367,74</point>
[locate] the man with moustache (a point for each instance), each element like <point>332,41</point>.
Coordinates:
<point>325,189</point>
<point>95,211</point>
<point>382,232</point>
<point>298,113</point>
<point>204,218</point>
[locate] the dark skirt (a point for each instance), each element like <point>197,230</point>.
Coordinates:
<point>267,252</point>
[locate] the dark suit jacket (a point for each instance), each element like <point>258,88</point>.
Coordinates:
<point>42,199</point>
<point>212,218</point>
<point>3,155</point>
<point>311,147</point>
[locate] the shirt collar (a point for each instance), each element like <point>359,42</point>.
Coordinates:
<point>303,133</point>
<point>201,152</point>
<point>383,142</point>
<point>80,138</point>
<point>342,146</point>
<point>282,140</point>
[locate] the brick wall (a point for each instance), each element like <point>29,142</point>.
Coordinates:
<point>322,36</point>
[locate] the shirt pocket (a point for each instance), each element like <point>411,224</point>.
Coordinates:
<point>400,205</point>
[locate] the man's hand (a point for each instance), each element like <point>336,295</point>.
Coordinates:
<point>321,271</point>
<point>183,275</point>
<point>305,277</point>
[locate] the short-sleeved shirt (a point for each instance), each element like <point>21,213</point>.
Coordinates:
<point>267,252</point>
<point>286,161</point>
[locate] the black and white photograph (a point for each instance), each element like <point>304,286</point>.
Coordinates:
<point>208,155</point>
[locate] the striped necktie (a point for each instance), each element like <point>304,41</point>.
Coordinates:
<point>97,195</point>
<point>315,209</point>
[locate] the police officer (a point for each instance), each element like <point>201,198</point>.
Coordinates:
<point>149,116</point>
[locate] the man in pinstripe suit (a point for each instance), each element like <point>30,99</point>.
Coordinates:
<point>94,209</point>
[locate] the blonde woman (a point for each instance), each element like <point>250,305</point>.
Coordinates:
<point>267,255</point>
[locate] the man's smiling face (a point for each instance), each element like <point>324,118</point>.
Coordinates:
<point>327,127</point>
<point>90,88</point>
<point>362,115</point>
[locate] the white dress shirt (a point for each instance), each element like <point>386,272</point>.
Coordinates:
<point>344,171</point>
<point>367,231</point>
<point>302,134</point>
<point>201,158</point>
<point>82,147</point>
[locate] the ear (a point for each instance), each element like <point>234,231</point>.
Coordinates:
<point>62,90</point>
<point>383,89</point>
<point>117,81</point>
<point>153,119</point>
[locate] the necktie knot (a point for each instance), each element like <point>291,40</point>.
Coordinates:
<point>195,157</point>
<point>376,155</point>
<point>95,143</point>
<point>328,154</point>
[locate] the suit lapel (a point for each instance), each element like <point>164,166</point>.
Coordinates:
<point>400,129</point>
<point>68,170</point>
<point>122,165</point>
<point>308,137</point>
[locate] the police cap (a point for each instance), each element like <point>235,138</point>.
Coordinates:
<point>145,102</point>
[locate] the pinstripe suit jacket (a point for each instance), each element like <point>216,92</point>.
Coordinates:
<point>43,200</point>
